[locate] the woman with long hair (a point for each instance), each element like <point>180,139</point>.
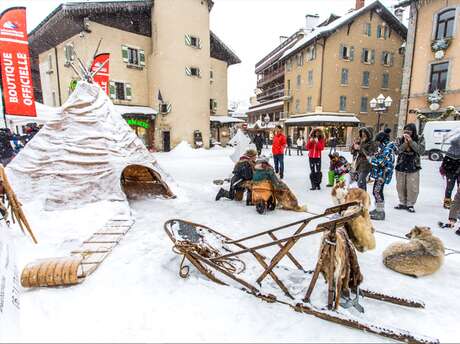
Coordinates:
<point>315,147</point>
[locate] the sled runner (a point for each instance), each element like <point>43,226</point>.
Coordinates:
<point>233,262</point>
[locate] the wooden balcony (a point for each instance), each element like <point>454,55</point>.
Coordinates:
<point>270,77</point>
<point>271,93</point>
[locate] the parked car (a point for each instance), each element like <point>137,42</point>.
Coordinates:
<point>437,135</point>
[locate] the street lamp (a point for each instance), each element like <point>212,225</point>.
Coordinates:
<point>380,105</point>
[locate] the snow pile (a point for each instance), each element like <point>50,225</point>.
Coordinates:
<point>79,158</point>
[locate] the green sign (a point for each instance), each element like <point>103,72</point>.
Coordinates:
<point>73,85</point>
<point>138,123</point>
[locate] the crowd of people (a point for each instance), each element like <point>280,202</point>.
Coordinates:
<point>11,143</point>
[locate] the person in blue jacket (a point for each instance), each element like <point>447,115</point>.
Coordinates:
<point>382,167</point>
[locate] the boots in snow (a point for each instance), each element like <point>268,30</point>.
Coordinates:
<point>447,203</point>
<point>379,213</point>
<point>222,193</point>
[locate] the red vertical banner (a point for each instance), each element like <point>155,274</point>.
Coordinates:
<point>17,84</point>
<point>102,74</point>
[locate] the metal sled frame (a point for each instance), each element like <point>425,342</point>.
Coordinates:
<point>210,266</point>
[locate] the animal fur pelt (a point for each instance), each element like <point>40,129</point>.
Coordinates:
<point>360,230</point>
<point>341,194</point>
<point>287,200</point>
<point>347,273</point>
<point>421,256</point>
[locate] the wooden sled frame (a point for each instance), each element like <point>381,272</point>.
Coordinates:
<point>209,267</point>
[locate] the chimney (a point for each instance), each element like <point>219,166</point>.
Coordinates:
<point>283,39</point>
<point>359,4</point>
<point>311,20</point>
<point>399,12</point>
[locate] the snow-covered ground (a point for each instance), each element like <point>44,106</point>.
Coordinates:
<point>137,294</point>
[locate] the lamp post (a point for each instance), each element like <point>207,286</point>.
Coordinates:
<point>380,106</point>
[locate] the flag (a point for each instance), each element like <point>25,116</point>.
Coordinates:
<point>16,73</point>
<point>102,76</point>
<point>160,97</point>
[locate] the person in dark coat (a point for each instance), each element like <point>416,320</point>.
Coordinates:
<point>259,142</point>
<point>6,150</point>
<point>408,167</point>
<point>288,147</point>
<point>362,150</point>
<point>450,168</point>
<point>315,147</point>
<point>242,173</point>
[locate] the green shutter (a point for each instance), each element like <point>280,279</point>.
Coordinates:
<point>352,53</point>
<point>124,53</point>
<point>112,92</point>
<point>188,40</point>
<point>128,92</point>
<point>141,57</point>
<point>362,55</point>
<point>340,51</point>
<point>383,57</point>
<point>373,56</point>
<point>379,31</point>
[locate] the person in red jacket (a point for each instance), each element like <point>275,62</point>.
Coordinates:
<point>279,144</point>
<point>315,147</point>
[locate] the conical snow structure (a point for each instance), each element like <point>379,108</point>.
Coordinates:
<point>88,154</point>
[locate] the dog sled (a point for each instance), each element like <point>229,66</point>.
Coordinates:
<point>259,272</point>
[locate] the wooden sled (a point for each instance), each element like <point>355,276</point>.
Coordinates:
<point>233,262</point>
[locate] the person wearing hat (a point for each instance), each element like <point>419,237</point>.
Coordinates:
<point>264,171</point>
<point>408,167</point>
<point>362,151</point>
<point>450,168</point>
<point>338,169</point>
<point>382,166</point>
<point>242,173</point>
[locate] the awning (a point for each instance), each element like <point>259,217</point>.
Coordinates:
<point>261,125</point>
<point>136,111</point>
<point>266,106</point>
<point>324,119</point>
<point>225,119</point>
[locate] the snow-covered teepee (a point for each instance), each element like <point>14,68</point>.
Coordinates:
<point>87,154</point>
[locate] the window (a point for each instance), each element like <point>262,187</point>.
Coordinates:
<point>385,80</point>
<point>289,87</point>
<point>367,29</point>
<point>310,77</point>
<point>365,81</point>
<point>387,58</point>
<point>192,71</point>
<point>438,76</point>
<point>299,80</point>
<point>299,59</point>
<point>289,65</point>
<point>445,24</point>
<point>344,77</point>
<point>133,57</point>
<point>311,53</point>
<point>193,41</point>
<point>50,64</point>
<point>364,103</point>
<point>383,31</point>
<point>346,52</point>
<point>343,103</point>
<point>120,90</point>
<point>297,105</point>
<point>211,75</point>
<point>368,56</point>
<point>69,54</point>
<point>309,104</point>
<point>212,105</point>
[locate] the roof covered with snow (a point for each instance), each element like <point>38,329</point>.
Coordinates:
<point>329,27</point>
<point>225,119</point>
<point>134,110</point>
<point>324,118</point>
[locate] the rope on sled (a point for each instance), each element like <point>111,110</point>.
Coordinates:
<point>207,251</point>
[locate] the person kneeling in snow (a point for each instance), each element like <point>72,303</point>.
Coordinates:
<point>339,168</point>
<point>382,166</point>
<point>242,174</point>
<point>263,171</point>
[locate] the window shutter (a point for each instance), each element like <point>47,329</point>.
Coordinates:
<point>391,58</point>
<point>369,32</point>
<point>168,108</point>
<point>188,40</point>
<point>198,73</point>
<point>362,55</point>
<point>373,56</point>
<point>124,53</point>
<point>198,41</point>
<point>128,92</point>
<point>141,57</point>
<point>383,57</point>
<point>340,51</point>
<point>389,32</point>
<point>313,55</point>
<point>379,31</point>
<point>112,92</point>
<point>188,71</point>
<point>352,53</point>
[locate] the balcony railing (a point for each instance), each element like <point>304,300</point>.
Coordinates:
<point>266,78</point>
<point>273,92</point>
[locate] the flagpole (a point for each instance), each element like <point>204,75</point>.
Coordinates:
<point>3,99</point>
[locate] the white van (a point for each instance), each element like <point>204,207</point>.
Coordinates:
<point>437,135</point>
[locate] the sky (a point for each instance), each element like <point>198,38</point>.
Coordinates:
<point>251,28</point>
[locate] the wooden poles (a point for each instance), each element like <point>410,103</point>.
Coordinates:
<point>15,205</point>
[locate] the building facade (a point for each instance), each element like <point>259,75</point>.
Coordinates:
<point>430,87</point>
<point>168,71</point>
<point>343,64</point>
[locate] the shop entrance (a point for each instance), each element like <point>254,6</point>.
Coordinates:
<point>166,141</point>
